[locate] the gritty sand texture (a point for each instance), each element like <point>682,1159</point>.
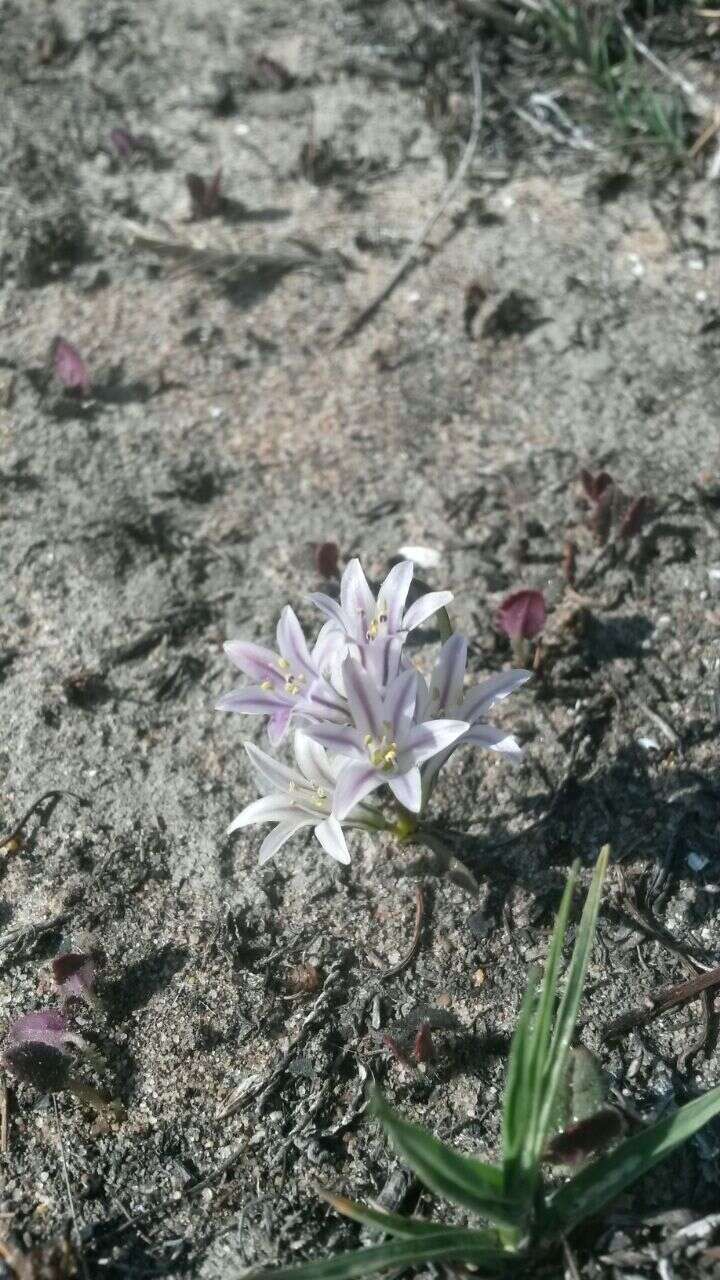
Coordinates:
<point>178,506</point>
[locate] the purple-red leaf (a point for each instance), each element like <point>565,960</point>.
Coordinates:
<point>47,1026</point>
<point>601,517</point>
<point>74,974</point>
<point>595,486</point>
<point>522,614</point>
<point>584,1139</point>
<point>36,1050</point>
<point>397,1051</point>
<point>569,561</point>
<point>70,367</point>
<point>423,1048</point>
<point>327,555</point>
<point>635,517</point>
<point>123,141</point>
<point>205,197</point>
<point>271,74</point>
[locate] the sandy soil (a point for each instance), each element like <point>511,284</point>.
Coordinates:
<point>179,506</point>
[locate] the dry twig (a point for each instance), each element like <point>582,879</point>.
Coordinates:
<point>4,1118</point>
<point>245,1094</point>
<point>446,198</point>
<point>417,935</point>
<point>68,1188</point>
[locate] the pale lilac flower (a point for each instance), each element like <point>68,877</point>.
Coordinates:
<point>384,742</point>
<point>373,631</point>
<point>446,696</point>
<point>293,681</point>
<point>303,797</point>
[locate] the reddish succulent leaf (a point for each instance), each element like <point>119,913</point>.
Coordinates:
<point>205,197</point>
<point>584,1139</point>
<point>601,518</point>
<point>634,517</point>
<point>569,561</point>
<point>423,1048</point>
<point>396,1050</point>
<point>327,555</point>
<point>271,74</point>
<point>47,1026</point>
<point>35,1049</point>
<point>70,367</point>
<point>123,141</point>
<point>595,486</point>
<point>74,974</point>
<point>522,614</point>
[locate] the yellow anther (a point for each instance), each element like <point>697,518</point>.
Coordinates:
<point>382,755</point>
<point>283,664</point>
<point>266,684</point>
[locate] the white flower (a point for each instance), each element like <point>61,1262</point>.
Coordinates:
<point>302,797</point>
<point>289,682</point>
<point>447,697</point>
<point>374,631</point>
<point>384,743</point>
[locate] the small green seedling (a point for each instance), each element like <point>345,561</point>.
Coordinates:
<point>594,41</point>
<point>548,1082</point>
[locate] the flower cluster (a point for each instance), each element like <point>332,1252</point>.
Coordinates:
<point>364,717</point>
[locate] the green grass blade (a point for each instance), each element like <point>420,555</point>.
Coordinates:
<point>556,1068</point>
<point>394,1223</point>
<point>517,1100</point>
<point>446,1245</point>
<point>460,1179</point>
<point>595,1186</point>
<point>445,626</point>
<point>542,1033</point>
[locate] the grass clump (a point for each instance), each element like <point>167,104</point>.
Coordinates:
<point>520,1214</point>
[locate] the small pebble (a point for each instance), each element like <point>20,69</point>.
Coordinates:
<point>425,557</point>
<point>696,861</point>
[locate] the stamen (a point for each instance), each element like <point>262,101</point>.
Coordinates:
<point>382,754</point>
<point>266,685</point>
<point>283,664</point>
